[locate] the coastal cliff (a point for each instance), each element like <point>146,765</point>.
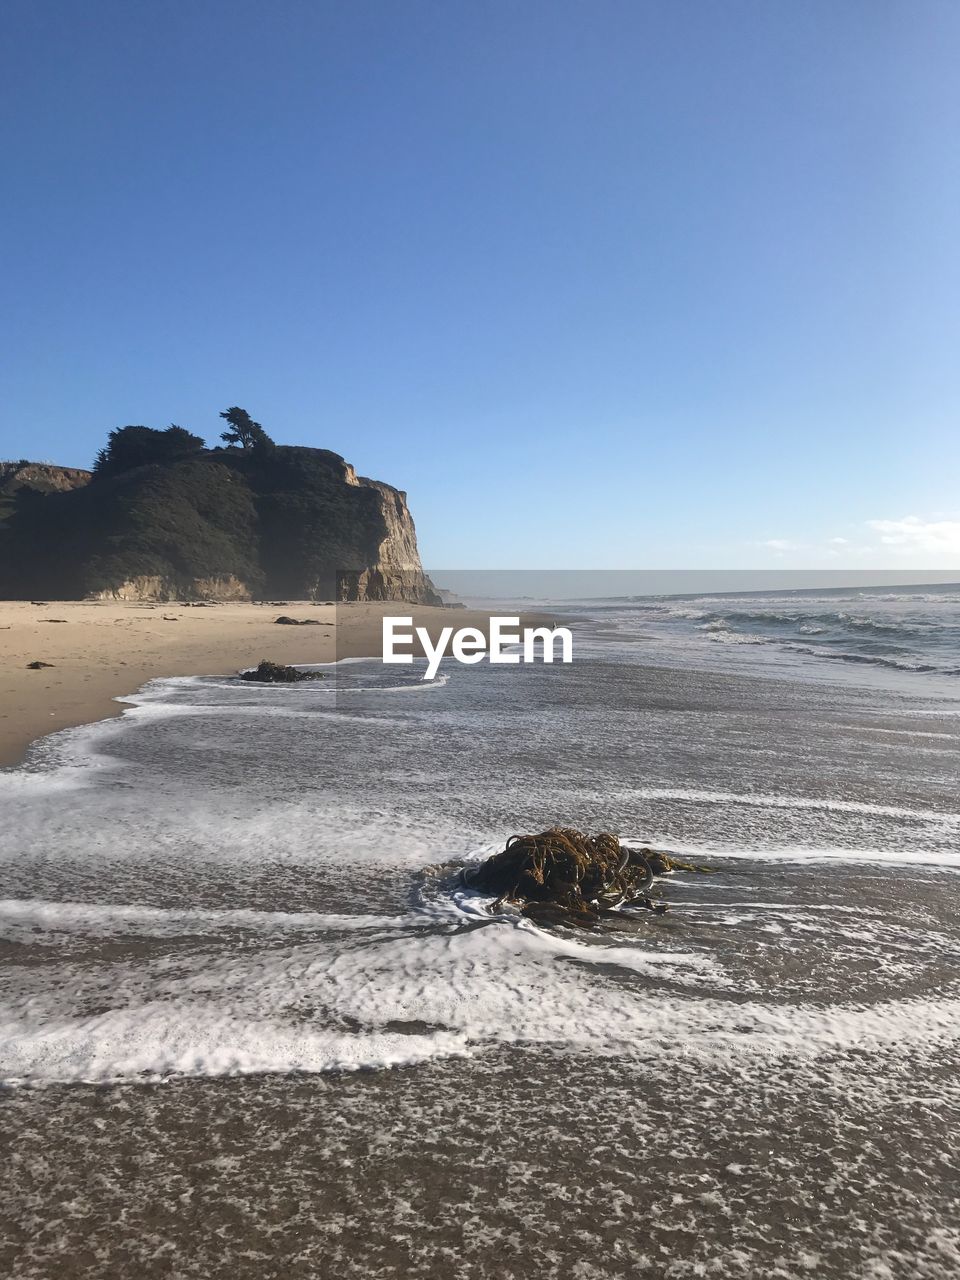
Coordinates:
<point>215,524</point>
<point>37,477</point>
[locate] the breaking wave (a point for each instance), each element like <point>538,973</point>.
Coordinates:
<point>912,634</point>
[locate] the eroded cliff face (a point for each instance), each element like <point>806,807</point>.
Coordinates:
<point>393,571</point>
<point>224,524</point>
<point>161,590</point>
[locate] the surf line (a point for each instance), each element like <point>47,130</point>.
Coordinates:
<point>469,644</point>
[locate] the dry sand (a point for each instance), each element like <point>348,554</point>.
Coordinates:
<point>101,651</point>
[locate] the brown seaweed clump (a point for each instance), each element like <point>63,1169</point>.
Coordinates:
<point>564,876</point>
<point>274,673</point>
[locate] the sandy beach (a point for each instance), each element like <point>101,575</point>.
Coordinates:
<point>99,651</point>
<point>254,1023</point>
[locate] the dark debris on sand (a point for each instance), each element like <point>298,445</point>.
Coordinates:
<point>275,673</point>
<point>563,876</point>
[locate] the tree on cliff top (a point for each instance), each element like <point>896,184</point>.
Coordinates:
<point>129,447</point>
<point>244,431</point>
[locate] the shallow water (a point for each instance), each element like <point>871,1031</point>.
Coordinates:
<point>218,908</point>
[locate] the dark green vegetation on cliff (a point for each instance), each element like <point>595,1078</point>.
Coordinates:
<point>161,516</point>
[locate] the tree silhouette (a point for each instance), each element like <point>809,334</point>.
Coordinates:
<point>137,446</point>
<point>243,430</point>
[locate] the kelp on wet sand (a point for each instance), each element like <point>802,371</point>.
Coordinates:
<point>275,673</point>
<point>564,876</point>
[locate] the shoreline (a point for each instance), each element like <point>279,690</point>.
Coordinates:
<point>102,651</point>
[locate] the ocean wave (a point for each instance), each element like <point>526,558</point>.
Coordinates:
<point>858,623</point>
<point>873,659</point>
<point>723,629</point>
<point>948,595</point>
<point>764,616</point>
<point>722,635</point>
<point>810,623</point>
<point>684,611</point>
<point>851,630</point>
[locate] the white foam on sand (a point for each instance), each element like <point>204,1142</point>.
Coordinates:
<point>407,999</point>
<point>373,989</point>
<point>899,733</point>
<point>703,853</point>
<point>144,921</point>
<point>828,803</point>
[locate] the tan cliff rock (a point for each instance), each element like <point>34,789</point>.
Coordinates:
<point>44,477</point>
<point>395,573</point>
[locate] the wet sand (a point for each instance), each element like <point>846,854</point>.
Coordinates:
<point>203,911</point>
<point>100,651</point>
<point>442,1174</point>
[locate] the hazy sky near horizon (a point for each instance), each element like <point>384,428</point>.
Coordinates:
<point>615,283</point>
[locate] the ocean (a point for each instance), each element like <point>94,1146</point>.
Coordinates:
<point>252,1024</point>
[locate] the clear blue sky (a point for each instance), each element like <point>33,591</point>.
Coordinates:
<point>601,284</point>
